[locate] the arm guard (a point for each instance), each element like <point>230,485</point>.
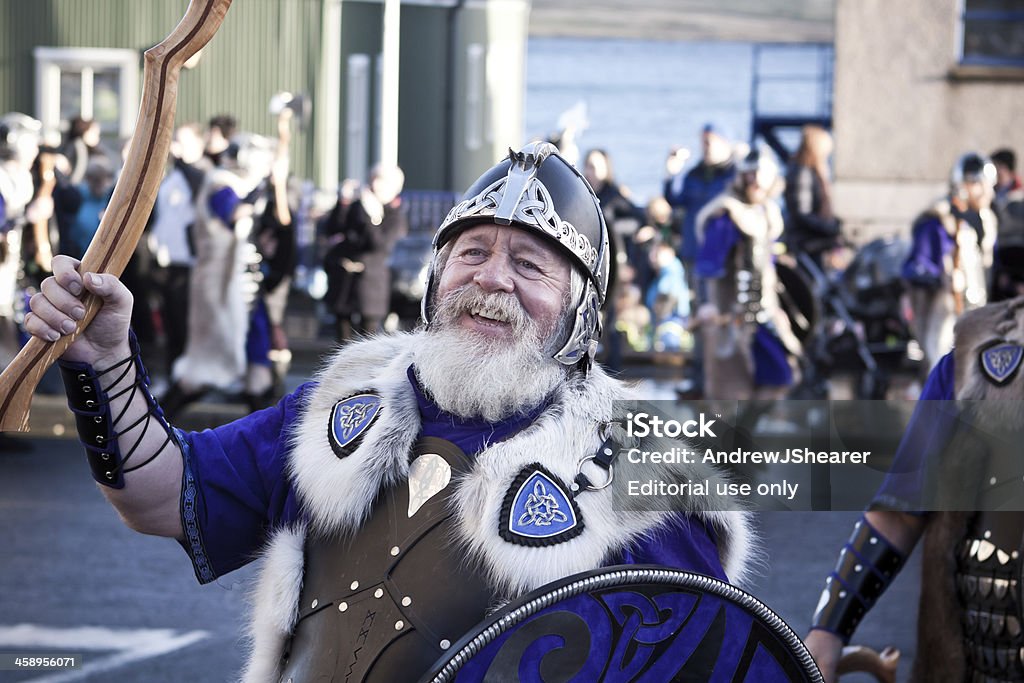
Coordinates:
<point>97,428</point>
<point>867,565</point>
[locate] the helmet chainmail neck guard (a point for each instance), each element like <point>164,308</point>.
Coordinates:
<point>537,190</point>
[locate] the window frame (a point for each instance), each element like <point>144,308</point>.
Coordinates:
<point>50,62</point>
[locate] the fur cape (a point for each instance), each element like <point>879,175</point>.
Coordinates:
<point>941,657</point>
<point>337,494</point>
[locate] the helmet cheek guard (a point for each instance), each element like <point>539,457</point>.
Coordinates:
<point>537,190</point>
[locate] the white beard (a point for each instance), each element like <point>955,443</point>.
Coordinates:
<point>475,377</point>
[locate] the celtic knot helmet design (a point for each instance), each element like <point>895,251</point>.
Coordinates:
<point>537,190</point>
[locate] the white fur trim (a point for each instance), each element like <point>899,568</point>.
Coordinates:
<point>275,603</point>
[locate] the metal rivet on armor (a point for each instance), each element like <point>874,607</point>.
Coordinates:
<point>90,404</point>
<point>81,377</point>
<point>857,567</point>
<point>1014,554</point>
<point>988,534</point>
<point>109,475</point>
<point>98,419</point>
<point>315,603</point>
<point>105,456</point>
<point>399,625</point>
<point>445,644</point>
<point>379,593</point>
<point>355,585</point>
<point>992,481</point>
<point>342,606</point>
<point>100,439</point>
<point>395,551</point>
<point>86,389</point>
<point>873,540</point>
<point>842,594</point>
<point>406,601</point>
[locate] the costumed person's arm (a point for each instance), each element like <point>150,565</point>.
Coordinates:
<point>218,492</point>
<point>129,445</point>
<point>886,534</point>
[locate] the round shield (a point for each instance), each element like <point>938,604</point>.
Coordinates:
<point>798,298</point>
<point>631,623</point>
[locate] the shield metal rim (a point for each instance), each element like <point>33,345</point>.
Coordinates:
<point>446,668</point>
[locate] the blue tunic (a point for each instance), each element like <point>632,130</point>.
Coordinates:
<point>931,427</point>
<point>236,489</point>
<point>771,365</point>
<point>925,265</point>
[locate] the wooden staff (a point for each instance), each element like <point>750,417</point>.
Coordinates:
<point>132,200</point>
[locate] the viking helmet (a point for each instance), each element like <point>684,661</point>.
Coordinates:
<point>972,167</point>
<point>537,190</point>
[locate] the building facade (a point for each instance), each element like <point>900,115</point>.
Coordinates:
<point>917,83</point>
<point>460,90</point>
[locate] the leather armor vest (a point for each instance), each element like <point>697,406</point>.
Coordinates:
<point>369,608</point>
<point>988,564</point>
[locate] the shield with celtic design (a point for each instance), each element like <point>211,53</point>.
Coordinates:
<point>631,623</point>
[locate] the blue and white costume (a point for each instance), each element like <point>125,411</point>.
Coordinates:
<point>268,480</point>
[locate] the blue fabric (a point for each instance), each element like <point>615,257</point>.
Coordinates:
<point>470,435</point>
<point>87,220</point>
<point>223,203</point>
<point>701,184</point>
<point>257,339</point>
<point>3,214</point>
<point>771,364</point>
<point>685,543</point>
<point>236,490</point>
<point>931,427</point>
<point>720,237</point>
<point>670,280</point>
<point>241,491</point>
<point>925,265</point>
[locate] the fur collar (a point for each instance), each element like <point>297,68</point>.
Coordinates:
<point>564,433</point>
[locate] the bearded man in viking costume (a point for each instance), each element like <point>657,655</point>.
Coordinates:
<point>422,479</point>
<point>747,337</point>
<point>947,267</point>
<point>958,483</point>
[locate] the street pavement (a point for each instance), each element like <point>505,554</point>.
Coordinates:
<point>75,580</point>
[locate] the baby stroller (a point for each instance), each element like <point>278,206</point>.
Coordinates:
<point>850,322</point>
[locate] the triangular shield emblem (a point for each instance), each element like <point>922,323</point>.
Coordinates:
<point>350,418</point>
<point>1001,361</point>
<point>537,511</point>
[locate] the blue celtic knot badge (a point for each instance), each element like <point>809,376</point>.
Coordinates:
<point>537,511</point>
<point>350,418</point>
<point>1000,362</point>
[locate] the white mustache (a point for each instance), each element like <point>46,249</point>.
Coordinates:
<point>498,306</point>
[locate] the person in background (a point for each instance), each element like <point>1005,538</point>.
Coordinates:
<point>170,236</point>
<point>221,148</point>
<point>811,226</point>
<point>82,144</point>
<point>1007,180</point>
<point>616,206</point>
<point>374,224</point>
<point>689,193</point>
<point>669,281</point>
<point>748,343</point>
<point>222,283</point>
<point>93,196</point>
<point>953,241</point>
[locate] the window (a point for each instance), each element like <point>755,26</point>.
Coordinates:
<point>992,33</point>
<point>94,83</point>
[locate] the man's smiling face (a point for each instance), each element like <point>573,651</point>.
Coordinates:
<point>504,261</point>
